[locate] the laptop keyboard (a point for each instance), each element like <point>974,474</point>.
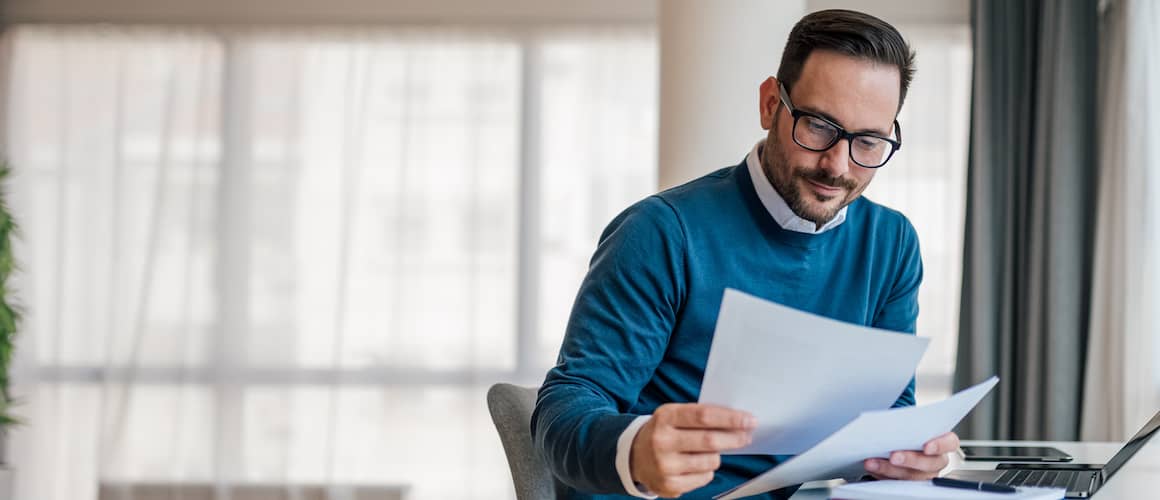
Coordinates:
<point>1047,479</point>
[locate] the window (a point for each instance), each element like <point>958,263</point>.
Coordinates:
<point>300,256</point>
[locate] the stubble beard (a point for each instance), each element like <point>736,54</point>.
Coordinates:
<point>782,177</point>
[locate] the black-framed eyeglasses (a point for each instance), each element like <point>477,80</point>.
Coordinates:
<point>816,133</point>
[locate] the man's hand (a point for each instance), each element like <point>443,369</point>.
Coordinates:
<point>915,464</point>
<point>678,449</point>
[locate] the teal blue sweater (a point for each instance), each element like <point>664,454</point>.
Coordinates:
<point>643,320</point>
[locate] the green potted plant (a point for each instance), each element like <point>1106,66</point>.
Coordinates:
<point>9,319</point>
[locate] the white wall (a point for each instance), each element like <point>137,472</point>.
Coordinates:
<point>898,12</point>
<point>714,56</point>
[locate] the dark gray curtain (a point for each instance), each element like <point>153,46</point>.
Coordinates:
<point>1030,216</point>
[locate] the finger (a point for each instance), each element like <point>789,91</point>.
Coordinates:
<point>918,461</point>
<point>711,441</point>
<point>699,416</point>
<point>945,443</point>
<point>678,464</point>
<point>883,469</point>
<point>674,486</point>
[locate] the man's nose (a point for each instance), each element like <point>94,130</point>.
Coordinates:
<point>836,160</point>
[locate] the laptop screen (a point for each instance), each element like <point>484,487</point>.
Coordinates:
<point>1132,446</point>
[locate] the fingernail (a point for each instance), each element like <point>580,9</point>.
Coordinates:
<point>872,465</point>
<point>930,449</point>
<point>751,422</point>
<point>896,459</point>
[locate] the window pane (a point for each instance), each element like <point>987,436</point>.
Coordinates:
<point>383,201</point>
<point>930,171</point>
<point>114,141</point>
<point>598,141</point>
<point>417,437</point>
<point>79,434</point>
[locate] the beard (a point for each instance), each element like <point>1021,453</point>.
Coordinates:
<point>786,179</point>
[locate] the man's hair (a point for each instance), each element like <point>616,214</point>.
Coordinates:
<point>847,32</point>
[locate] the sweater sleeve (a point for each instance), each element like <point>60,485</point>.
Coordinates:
<point>900,312</point>
<point>616,336</point>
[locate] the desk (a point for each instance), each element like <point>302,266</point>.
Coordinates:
<point>1135,480</point>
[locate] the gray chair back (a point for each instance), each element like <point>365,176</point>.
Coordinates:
<point>511,410</point>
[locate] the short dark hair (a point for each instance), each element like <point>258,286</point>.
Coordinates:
<point>847,32</point>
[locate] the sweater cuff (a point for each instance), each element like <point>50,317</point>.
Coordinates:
<point>623,449</point>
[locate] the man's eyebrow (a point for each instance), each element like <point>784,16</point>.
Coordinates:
<point>831,118</point>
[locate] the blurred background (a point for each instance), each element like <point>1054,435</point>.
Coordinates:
<point>290,244</point>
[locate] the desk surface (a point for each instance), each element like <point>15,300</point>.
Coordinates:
<point>1139,476</point>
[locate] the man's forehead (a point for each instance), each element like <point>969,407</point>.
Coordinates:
<point>858,93</point>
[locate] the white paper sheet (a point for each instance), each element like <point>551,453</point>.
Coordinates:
<point>872,434</point>
<point>924,490</point>
<point>802,375</point>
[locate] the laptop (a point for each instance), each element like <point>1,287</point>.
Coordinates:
<point>1080,480</point>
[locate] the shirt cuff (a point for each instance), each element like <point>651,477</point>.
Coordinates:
<point>623,448</point>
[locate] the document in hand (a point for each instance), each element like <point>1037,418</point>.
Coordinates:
<point>872,434</point>
<point>802,375</point>
<point>904,490</point>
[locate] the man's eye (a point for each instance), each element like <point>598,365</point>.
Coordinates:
<point>819,126</point>
<point>867,143</point>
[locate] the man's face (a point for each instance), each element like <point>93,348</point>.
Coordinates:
<point>860,96</point>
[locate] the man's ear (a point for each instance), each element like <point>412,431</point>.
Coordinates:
<point>768,102</point>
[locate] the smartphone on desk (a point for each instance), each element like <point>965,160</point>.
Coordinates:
<point>1015,454</point>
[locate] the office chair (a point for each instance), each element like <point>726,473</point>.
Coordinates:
<point>511,411</point>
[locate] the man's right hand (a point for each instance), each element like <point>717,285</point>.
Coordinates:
<point>678,449</point>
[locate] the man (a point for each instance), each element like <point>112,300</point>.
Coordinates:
<point>617,415</point>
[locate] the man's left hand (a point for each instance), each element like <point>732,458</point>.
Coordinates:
<point>923,464</point>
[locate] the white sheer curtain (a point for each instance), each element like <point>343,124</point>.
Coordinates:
<point>1122,377</point>
<point>298,257</point>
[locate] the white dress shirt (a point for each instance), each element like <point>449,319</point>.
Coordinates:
<point>785,217</point>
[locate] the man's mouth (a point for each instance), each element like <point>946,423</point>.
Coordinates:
<point>825,189</point>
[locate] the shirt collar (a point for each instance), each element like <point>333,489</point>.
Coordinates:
<point>776,205</point>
